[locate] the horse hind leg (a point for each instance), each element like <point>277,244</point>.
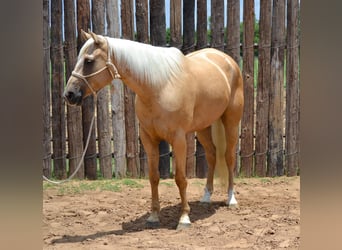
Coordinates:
<point>205,137</point>
<point>232,136</point>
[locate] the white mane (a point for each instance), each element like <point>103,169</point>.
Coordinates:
<point>150,64</point>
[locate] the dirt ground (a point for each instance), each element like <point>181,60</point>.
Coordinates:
<point>75,217</point>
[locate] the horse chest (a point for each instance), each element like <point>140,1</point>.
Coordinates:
<point>161,121</point>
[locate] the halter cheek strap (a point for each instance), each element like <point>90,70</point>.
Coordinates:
<point>109,65</point>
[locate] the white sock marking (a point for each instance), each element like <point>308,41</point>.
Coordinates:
<point>206,196</point>
<point>184,219</point>
<point>231,198</point>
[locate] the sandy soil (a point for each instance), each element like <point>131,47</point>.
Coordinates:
<point>268,216</point>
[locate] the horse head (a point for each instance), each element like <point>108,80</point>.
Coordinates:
<point>93,69</point>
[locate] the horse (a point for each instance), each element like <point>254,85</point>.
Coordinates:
<point>201,92</point>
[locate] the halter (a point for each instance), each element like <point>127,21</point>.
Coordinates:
<point>109,65</point>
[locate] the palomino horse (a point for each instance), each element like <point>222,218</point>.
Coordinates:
<point>175,95</point>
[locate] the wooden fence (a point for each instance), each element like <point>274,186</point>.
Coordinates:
<point>269,135</point>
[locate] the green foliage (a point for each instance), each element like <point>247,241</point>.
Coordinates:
<point>168,36</point>
<point>132,183</point>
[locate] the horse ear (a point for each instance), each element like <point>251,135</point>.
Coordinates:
<point>96,38</point>
<point>84,35</point>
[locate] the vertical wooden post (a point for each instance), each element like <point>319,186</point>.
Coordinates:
<point>233,47</point>
<point>188,26</point>
<point>74,113</point>
<point>157,22</point>
<point>175,39</point>
<point>247,124</point>
<point>292,88</point>
<point>103,128</point>
<point>141,15</point>
<point>202,42</point>
<point>130,117</point>
<point>264,81</point>
<point>189,46</point>
<point>58,108</point>
<point>83,22</point>
<point>233,29</point>
<point>164,160</point>
<point>46,92</point>
<point>276,117</point>
<point>117,100</point>
<point>158,37</point>
<point>201,161</point>
<point>217,24</point>
<point>202,33</point>
<point>176,23</point>
<point>119,129</point>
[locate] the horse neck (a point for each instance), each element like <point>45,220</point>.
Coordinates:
<point>125,54</point>
<point>127,75</point>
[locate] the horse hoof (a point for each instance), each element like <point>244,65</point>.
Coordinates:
<point>152,224</point>
<point>182,226</point>
<point>205,201</point>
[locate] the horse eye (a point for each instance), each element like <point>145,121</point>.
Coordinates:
<point>88,60</point>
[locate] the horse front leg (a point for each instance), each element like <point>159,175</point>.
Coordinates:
<point>180,149</point>
<point>152,151</point>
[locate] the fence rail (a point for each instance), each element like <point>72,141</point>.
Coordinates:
<point>269,134</point>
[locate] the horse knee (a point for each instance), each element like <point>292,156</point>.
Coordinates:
<point>181,181</point>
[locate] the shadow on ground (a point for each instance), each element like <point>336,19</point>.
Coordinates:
<point>169,216</point>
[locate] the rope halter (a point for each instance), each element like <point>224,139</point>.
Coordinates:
<point>109,65</point>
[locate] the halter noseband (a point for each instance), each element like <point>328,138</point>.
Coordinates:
<point>109,65</point>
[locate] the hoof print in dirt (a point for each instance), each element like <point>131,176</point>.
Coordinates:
<point>182,226</point>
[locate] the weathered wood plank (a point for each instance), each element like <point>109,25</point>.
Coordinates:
<point>233,29</point>
<point>142,36</point>
<point>158,38</point>
<point>264,81</point>
<point>189,46</point>
<point>103,119</point>
<point>176,23</point>
<point>74,113</point>
<point>46,92</point>
<point>83,22</point>
<point>292,88</point>
<point>117,98</point>
<point>131,122</point>
<point>233,46</point>
<point>58,108</point>
<point>276,116</point>
<point>247,123</point>
<point>217,24</point>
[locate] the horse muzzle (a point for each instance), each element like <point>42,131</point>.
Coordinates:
<point>73,98</point>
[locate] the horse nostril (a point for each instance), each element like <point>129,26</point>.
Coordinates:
<point>70,95</point>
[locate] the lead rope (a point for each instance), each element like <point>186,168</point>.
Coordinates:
<point>116,75</point>
<point>84,151</point>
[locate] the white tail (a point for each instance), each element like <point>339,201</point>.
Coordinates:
<point>219,140</point>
